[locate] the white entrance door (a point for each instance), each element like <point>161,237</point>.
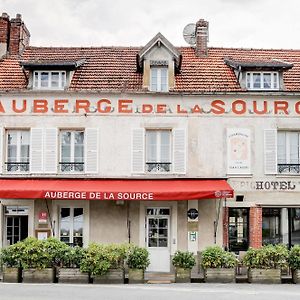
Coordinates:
<point>158,239</point>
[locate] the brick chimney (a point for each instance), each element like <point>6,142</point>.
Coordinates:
<point>18,37</point>
<point>4,33</point>
<point>201,38</point>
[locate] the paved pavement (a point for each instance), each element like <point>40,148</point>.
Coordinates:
<point>199,291</point>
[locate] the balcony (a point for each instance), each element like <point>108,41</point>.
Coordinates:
<point>155,167</point>
<point>289,168</point>
<point>71,166</point>
<point>17,166</point>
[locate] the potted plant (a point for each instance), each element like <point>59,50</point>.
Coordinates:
<point>137,261</point>
<point>219,265</point>
<point>264,264</point>
<point>183,261</point>
<point>294,263</point>
<point>69,265</point>
<point>39,258</point>
<point>10,257</point>
<point>105,263</point>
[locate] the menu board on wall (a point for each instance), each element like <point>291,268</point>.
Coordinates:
<point>238,151</point>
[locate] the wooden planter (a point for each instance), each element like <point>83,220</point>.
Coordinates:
<point>182,275</point>
<point>38,276</point>
<point>296,276</point>
<point>112,276</point>
<point>72,275</point>
<point>12,275</point>
<point>264,276</point>
<point>135,276</point>
<point>219,275</point>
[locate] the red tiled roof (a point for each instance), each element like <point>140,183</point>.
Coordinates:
<point>114,68</point>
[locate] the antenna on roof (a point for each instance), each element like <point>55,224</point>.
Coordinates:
<point>189,34</point>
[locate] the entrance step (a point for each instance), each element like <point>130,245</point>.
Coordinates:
<point>159,277</point>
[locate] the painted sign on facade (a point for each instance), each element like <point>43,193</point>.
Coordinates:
<point>238,151</point>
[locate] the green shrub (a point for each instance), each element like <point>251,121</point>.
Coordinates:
<point>100,258</point>
<point>138,258</point>
<point>41,254</point>
<point>71,257</point>
<point>294,257</point>
<point>267,257</point>
<point>11,255</point>
<point>216,257</point>
<point>183,259</point>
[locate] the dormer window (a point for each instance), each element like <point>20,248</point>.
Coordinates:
<point>262,80</point>
<point>48,80</point>
<point>159,79</point>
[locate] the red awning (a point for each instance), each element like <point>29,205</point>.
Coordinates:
<point>111,189</point>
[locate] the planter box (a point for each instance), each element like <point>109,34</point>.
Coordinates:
<point>38,276</point>
<point>113,276</point>
<point>135,276</point>
<point>72,275</point>
<point>182,275</point>
<point>12,275</point>
<point>219,275</point>
<point>296,276</point>
<point>264,275</point>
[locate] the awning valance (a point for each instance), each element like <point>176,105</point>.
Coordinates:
<point>114,189</point>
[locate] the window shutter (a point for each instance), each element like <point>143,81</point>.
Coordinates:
<point>36,150</point>
<point>50,150</point>
<point>1,149</point>
<point>91,150</point>
<point>138,150</point>
<point>270,144</point>
<point>179,150</point>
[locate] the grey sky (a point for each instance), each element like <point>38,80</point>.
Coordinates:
<point>232,23</point>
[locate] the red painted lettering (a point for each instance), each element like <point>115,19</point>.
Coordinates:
<point>260,112</point>
<point>239,107</point>
<point>59,106</point>
<point>217,107</point>
<point>161,108</point>
<point>82,104</point>
<point>180,110</point>
<point>196,109</point>
<point>19,110</point>
<point>123,106</point>
<point>281,106</point>
<point>147,108</point>
<point>40,106</point>
<point>104,106</point>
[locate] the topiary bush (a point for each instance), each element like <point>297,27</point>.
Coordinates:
<point>294,258</point>
<point>138,258</point>
<point>216,257</point>
<point>267,257</point>
<point>184,259</point>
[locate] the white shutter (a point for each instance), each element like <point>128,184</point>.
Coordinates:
<point>50,150</point>
<point>1,149</point>
<point>36,150</point>
<point>91,150</point>
<point>179,150</point>
<point>270,147</point>
<point>138,150</point>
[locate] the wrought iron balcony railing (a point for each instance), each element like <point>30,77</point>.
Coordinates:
<point>17,166</point>
<point>158,167</point>
<point>71,166</point>
<point>289,168</point>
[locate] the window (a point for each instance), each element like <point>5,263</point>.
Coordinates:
<point>72,151</point>
<point>158,150</point>
<point>288,151</point>
<point>49,80</point>
<point>17,159</point>
<point>71,226</point>
<point>262,81</point>
<point>271,233</point>
<point>238,229</point>
<point>159,79</point>
<point>294,225</point>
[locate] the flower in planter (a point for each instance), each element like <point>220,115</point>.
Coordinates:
<point>138,258</point>
<point>184,259</point>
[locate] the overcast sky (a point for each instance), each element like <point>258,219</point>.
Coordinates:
<point>232,23</point>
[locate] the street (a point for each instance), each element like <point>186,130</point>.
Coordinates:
<point>147,291</point>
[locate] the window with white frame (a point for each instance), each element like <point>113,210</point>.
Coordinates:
<point>158,150</point>
<point>159,78</point>
<point>71,225</point>
<point>18,147</point>
<point>52,80</point>
<point>262,80</point>
<point>71,151</point>
<point>288,151</point>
